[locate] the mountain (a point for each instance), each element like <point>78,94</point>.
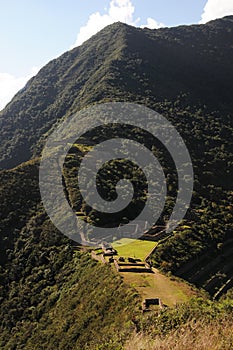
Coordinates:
<point>121,63</point>
<point>52,294</point>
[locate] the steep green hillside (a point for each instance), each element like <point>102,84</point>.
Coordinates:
<point>52,294</point>
<point>64,85</point>
<point>64,300</point>
<point>19,193</point>
<point>122,63</point>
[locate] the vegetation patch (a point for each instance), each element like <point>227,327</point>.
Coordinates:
<point>134,248</point>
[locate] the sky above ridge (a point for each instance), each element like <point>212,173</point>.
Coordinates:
<point>34,32</point>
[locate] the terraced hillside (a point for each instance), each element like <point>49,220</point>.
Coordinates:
<point>213,270</point>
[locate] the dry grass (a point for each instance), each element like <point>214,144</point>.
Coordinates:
<point>192,336</point>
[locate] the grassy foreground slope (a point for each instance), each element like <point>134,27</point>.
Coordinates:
<point>214,335</point>
<point>198,325</point>
<point>86,307</point>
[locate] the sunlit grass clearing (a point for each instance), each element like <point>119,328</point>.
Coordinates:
<point>133,248</point>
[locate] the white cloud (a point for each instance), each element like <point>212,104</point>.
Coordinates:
<point>10,85</point>
<point>119,10</point>
<point>216,9</point>
<point>152,24</point>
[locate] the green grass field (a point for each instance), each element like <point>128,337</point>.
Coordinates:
<point>133,248</point>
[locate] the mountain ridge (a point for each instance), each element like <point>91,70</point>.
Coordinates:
<point>120,63</point>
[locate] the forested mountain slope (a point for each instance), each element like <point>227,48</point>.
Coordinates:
<point>52,294</point>
<point>122,63</point>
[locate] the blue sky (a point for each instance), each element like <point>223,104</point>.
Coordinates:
<point>32,32</point>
